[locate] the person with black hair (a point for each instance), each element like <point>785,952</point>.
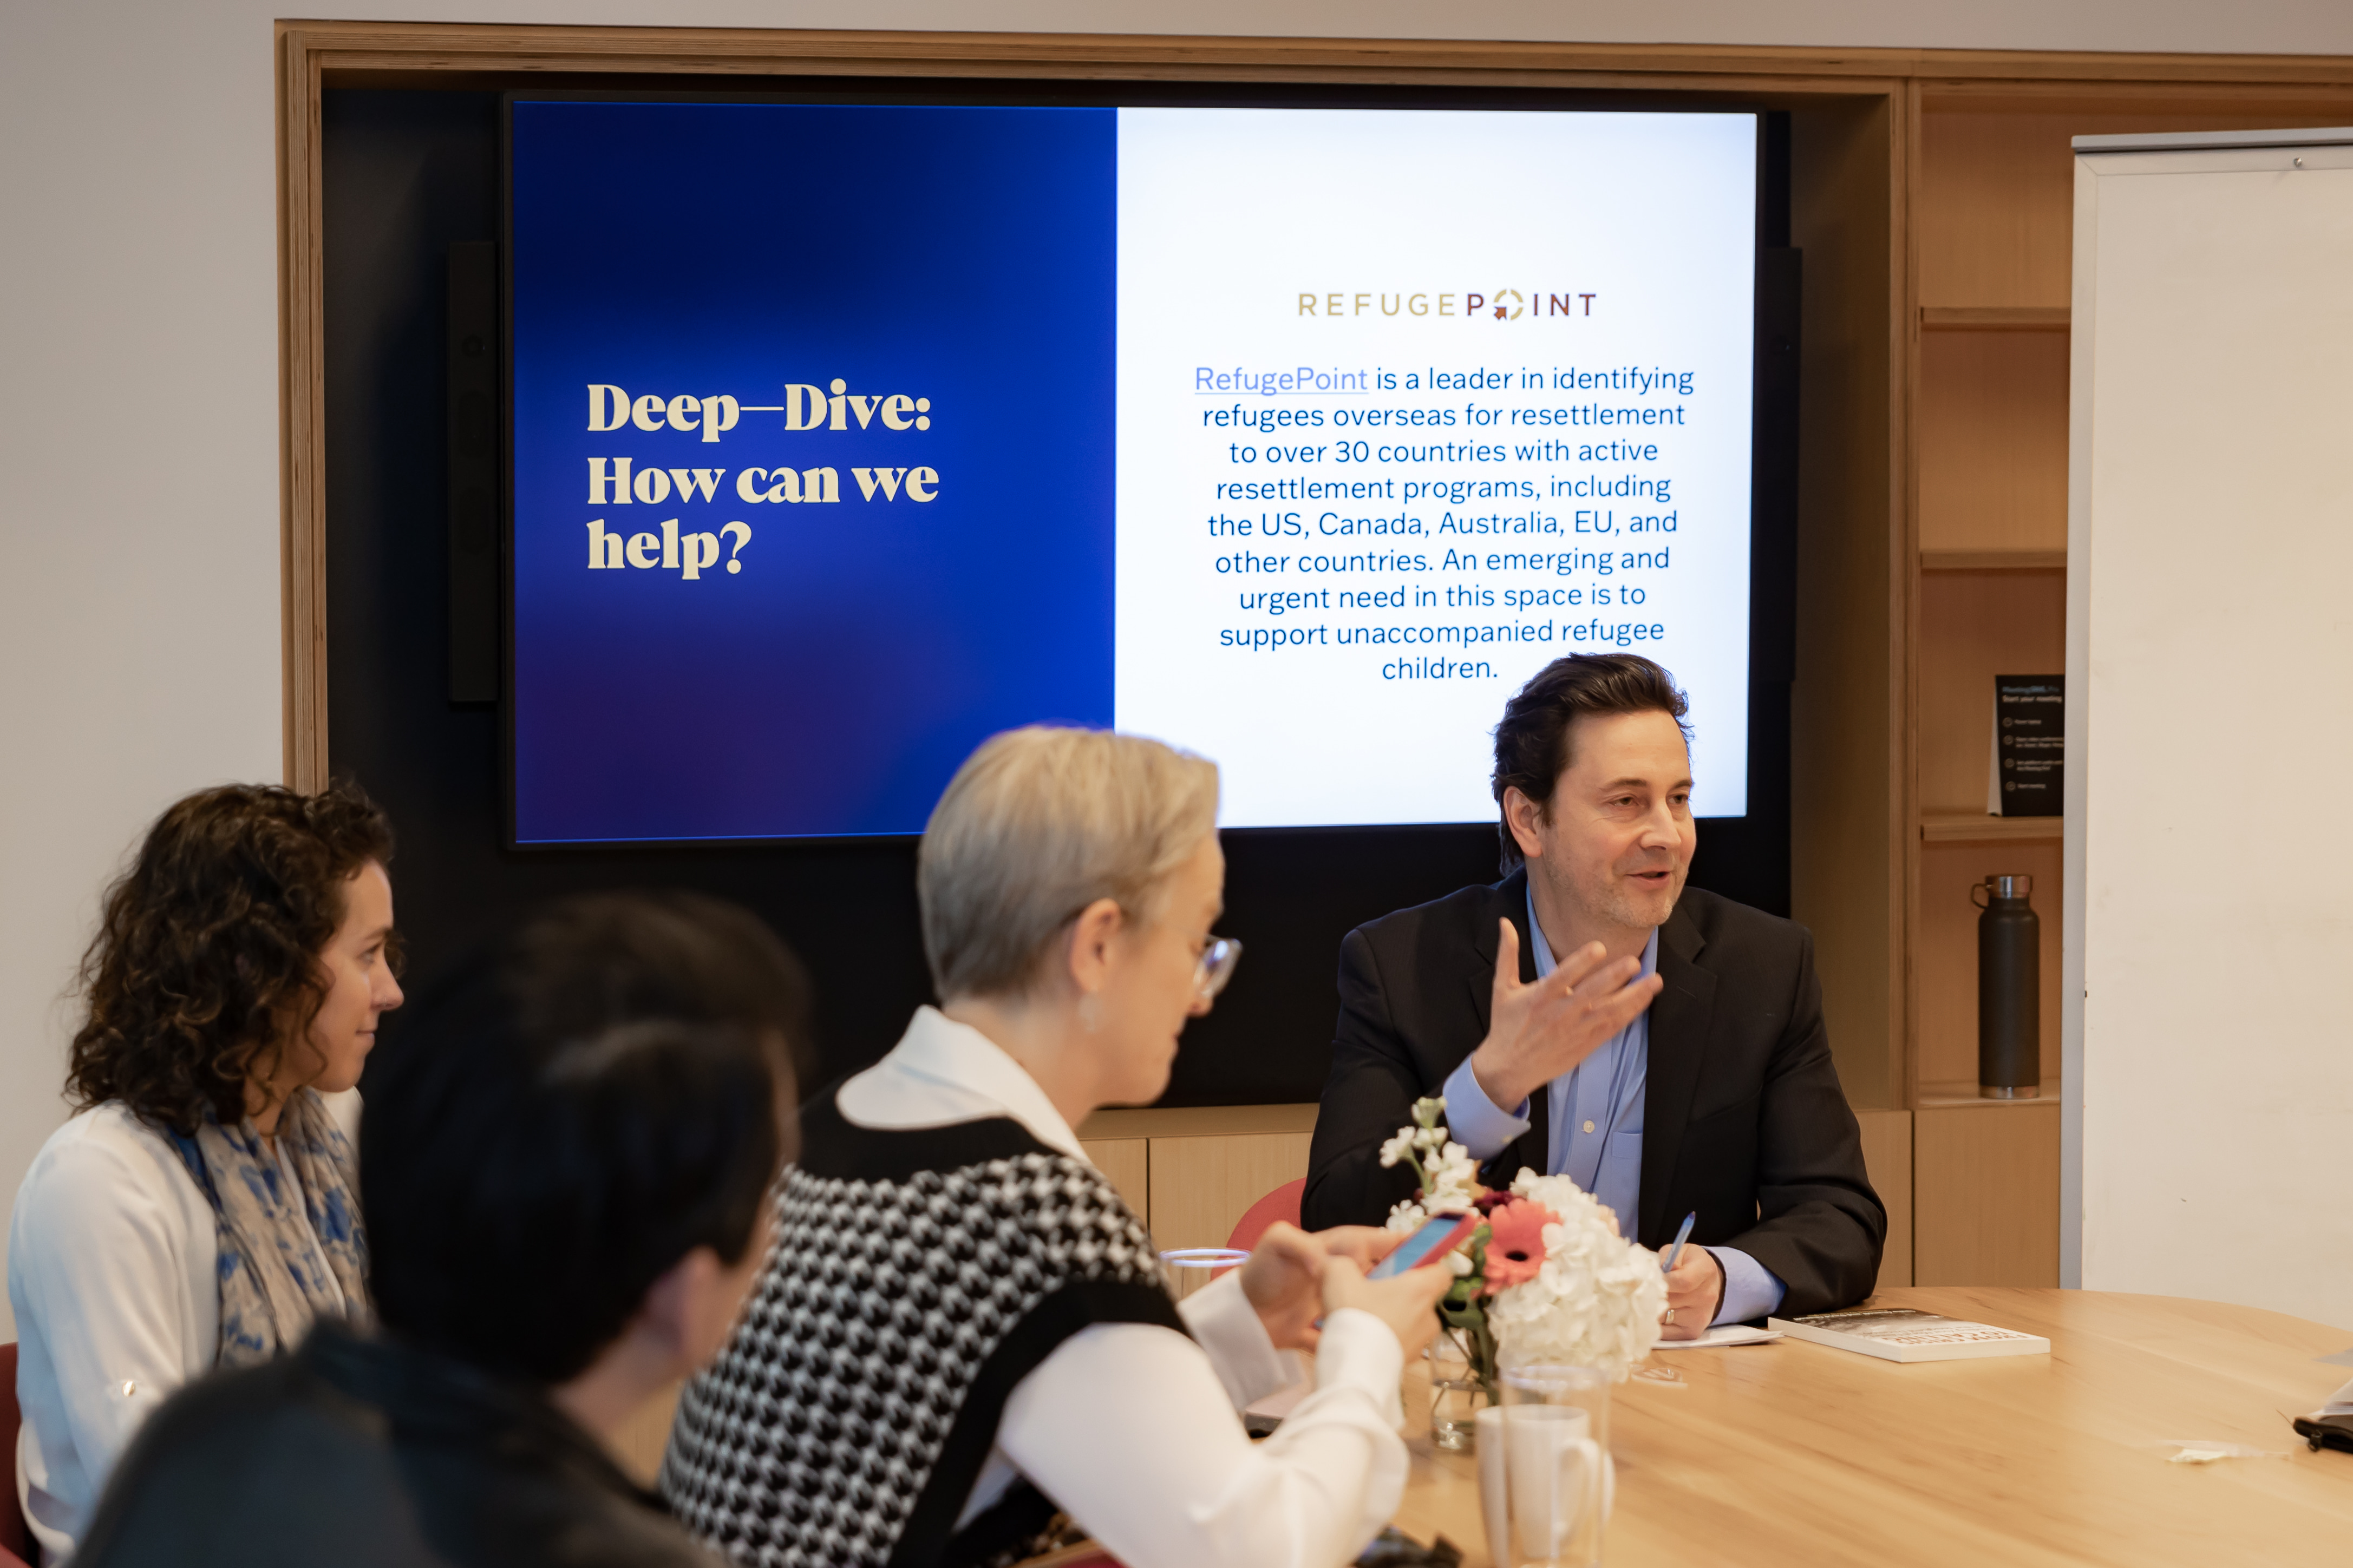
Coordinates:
<point>1591,1016</point>
<point>200,1210</point>
<point>565,1168</point>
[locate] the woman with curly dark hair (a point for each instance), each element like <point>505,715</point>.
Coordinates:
<point>201,1209</point>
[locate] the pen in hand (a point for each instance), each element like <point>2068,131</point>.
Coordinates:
<point>1682,1235</point>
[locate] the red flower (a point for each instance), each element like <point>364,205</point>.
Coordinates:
<point>1516,1248</point>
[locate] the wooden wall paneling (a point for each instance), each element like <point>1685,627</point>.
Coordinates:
<point>302,427</point>
<point>1992,419</point>
<point>1904,567</point>
<point>432,48</point>
<point>1887,1157</point>
<point>1195,1121</point>
<point>1128,1162</point>
<point>1994,318</point>
<point>1975,626</point>
<point>1986,1193</point>
<point>1993,561</point>
<point>1977,828</point>
<point>1998,177</point>
<point>1201,1186</point>
<point>1905,665</point>
<point>1946,954</point>
<point>1995,226</point>
<point>1846,812</point>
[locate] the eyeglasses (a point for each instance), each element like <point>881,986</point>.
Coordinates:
<point>1216,967</point>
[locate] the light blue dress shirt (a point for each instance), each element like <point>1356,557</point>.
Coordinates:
<point>1596,1137</point>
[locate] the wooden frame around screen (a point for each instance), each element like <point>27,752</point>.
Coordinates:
<point>310,54</point>
<point>1854,723</point>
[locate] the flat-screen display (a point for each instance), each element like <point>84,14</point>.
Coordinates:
<point>844,436</point>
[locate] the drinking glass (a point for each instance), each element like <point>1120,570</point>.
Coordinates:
<point>1557,1477</point>
<point>1454,1396</point>
<point>1190,1267</point>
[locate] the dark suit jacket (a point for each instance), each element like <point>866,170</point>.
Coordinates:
<point>1744,1121</point>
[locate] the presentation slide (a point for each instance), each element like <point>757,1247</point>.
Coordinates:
<point>846,435</point>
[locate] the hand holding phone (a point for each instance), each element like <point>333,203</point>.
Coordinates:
<point>1439,1235</point>
<point>1405,1301</point>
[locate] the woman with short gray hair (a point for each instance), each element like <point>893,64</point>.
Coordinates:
<point>961,1347</point>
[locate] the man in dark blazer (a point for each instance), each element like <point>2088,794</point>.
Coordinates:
<point>1590,1015</point>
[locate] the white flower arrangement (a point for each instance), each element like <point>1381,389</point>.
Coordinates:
<point>1449,1175</point>
<point>1597,1298</point>
<point>1546,1279</point>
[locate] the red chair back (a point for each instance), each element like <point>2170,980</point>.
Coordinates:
<point>1282,1204</point>
<point>16,1550</point>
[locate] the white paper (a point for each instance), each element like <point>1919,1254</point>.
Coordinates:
<point>2207,1450</point>
<point>1729,1334</point>
<point>1993,763</point>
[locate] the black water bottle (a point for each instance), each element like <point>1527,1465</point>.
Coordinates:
<point>2010,990</point>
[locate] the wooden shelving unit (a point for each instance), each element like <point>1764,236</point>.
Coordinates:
<point>1993,561</point>
<point>1989,259</point>
<point>1988,371</point>
<point>1965,827</point>
<point>1993,318</point>
<point>1963,1094</point>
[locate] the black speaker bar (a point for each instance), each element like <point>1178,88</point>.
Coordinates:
<point>473,464</point>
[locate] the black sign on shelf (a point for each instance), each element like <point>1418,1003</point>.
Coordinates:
<point>2030,745</point>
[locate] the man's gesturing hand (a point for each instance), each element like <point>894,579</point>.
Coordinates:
<point>1535,1033</point>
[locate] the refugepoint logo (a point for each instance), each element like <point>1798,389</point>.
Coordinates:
<point>1502,305</point>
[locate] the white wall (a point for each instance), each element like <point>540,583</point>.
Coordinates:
<point>2209,688</point>
<point>139,587</point>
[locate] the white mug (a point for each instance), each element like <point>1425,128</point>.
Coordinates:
<point>1555,1468</point>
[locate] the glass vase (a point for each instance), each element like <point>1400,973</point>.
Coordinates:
<point>1456,1396</point>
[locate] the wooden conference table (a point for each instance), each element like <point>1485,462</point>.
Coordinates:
<point>1794,1453</point>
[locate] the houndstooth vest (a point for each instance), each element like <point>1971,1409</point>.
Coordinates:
<point>916,1278</point>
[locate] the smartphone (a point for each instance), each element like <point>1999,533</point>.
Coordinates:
<point>1439,1235</point>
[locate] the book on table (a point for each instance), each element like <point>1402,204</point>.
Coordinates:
<point>1908,1335</point>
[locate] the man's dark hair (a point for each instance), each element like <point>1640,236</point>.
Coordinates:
<point>1531,742</point>
<point>569,1115</point>
<point>205,964</point>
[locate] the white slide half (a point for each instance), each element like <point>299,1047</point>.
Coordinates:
<point>1410,404</point>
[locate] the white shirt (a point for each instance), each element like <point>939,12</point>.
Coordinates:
<point>113,1254</point>
<point>1131,1427</point>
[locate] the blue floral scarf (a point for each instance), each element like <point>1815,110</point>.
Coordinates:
<point>277,1275</point>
